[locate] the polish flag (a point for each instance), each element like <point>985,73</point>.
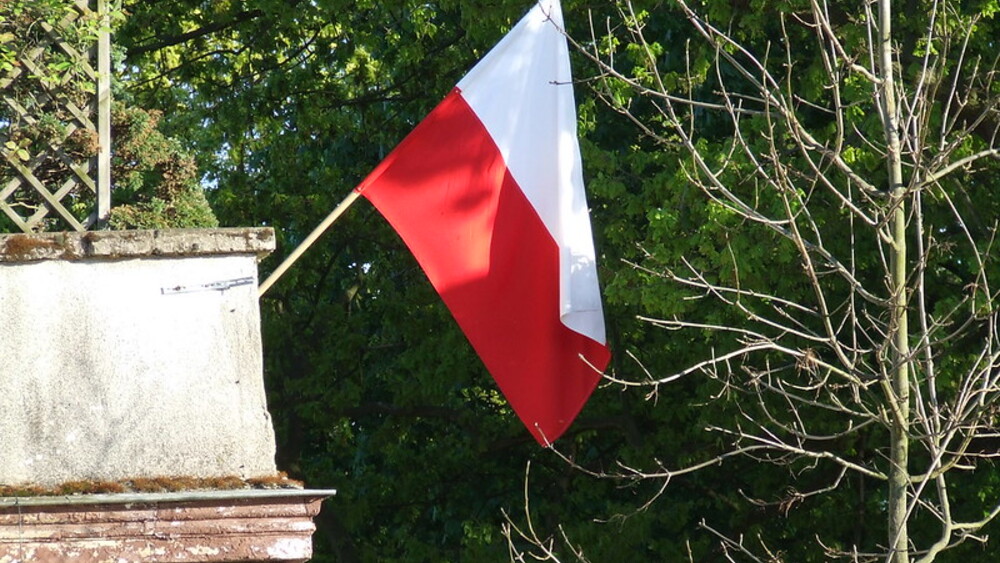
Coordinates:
<point>487,192</point>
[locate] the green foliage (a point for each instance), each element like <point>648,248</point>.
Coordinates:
<point>45,122</point>
<point>649,178</point>
<point>20,27</point>
<point>188,209</point>
<point>41,82</point>
<point>155,181</point>
<point>60,73</point>
<point>374,391</point>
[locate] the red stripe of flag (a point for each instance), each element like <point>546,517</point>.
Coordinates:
<point>492,254</point>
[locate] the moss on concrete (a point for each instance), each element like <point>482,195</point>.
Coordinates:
<point>176,483</point>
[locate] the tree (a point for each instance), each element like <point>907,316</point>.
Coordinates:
<point>154,181</point>
<point>373,390</point>
<point>47,117</point>
<point>845,155</point>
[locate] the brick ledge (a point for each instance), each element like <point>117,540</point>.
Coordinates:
<point>195,526</point>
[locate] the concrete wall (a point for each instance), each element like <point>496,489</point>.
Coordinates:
<point>132,354</point>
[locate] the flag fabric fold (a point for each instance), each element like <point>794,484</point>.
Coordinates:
<point>487,192</point>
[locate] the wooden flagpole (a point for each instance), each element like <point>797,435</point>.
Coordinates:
<point>300,250</point>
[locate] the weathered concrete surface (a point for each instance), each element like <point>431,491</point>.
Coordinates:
<point>135,244</point>
<point>122,361</point>
<point>196,527</point>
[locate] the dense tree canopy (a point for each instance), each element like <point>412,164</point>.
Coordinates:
<point>825,139</point>
<point>374,391</point>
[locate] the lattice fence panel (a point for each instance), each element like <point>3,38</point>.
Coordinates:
<point>49,134</point>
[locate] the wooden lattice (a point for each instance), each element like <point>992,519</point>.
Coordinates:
<point>54,139</point>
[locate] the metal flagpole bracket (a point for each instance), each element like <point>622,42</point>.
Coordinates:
<point>211,286</point>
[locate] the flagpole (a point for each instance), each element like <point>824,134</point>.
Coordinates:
<point>300,250</point>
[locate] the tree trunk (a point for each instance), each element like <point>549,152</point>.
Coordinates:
<point>899,396</point>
